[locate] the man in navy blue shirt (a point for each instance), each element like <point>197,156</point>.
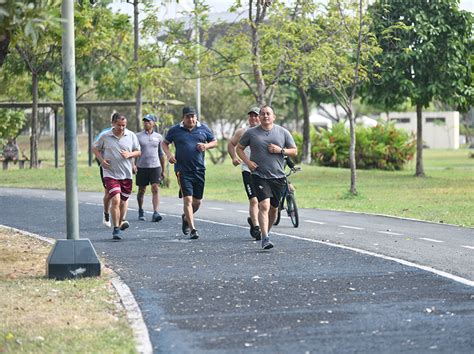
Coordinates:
<point>191,139</point>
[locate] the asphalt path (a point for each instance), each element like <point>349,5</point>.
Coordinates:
<point>341,282</point>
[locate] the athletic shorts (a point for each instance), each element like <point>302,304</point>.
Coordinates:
<point>249,188</point>
<point>116,186</point>
<point>146,176</point>
<point>269,188</point>
<point>191,183</point>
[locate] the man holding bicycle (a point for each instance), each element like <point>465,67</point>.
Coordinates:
<point>269,144</point>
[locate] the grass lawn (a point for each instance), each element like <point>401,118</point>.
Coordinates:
<point>39,315</point>
<point>445,195</point>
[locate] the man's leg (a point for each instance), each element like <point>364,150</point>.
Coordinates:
<point>191,205</point>
<point>140,197</point>
<point>106,203</point>
<point>123,210</point>
<point>115,210</point>
<point>155,199</point>
<point>253,211</point>
<point>263,217</point>
<point>272,215</point>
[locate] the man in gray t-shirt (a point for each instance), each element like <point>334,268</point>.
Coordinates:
<point>269,144</point>
<point>115,150</point>
<point>149,166</point>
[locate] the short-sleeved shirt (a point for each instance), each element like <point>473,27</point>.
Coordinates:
<point>269,165</point>
<point>188,157</point>
<point>110,147</point>
<point>150,145</point>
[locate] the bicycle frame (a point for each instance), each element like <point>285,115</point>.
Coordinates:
<point>288,197</point>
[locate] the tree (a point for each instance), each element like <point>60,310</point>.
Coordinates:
<point>425,56</point>
<point>26,18</point>
<point>349,48</point>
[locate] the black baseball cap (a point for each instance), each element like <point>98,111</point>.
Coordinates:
<point>189,110</point>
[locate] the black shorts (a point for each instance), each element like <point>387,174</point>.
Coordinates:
<point>269,188</point>
<point>191,183</point>
<point>248,184</point>
<point>146,176</point>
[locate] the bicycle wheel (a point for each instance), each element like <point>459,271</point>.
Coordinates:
<point>292,209</point>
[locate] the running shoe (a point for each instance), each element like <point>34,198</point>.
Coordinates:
<point>116,234</point>
<point>185,227</point>
<point>256,233</point>
<point>106,220</point>
<point>266,244</point>
<point>156,217</point>
<point>194,234</point>
<point>125,225</point>
<point>141,215</point>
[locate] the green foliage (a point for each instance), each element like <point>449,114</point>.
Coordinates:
<point>381,147</point>
<point>425,52</point>
<point>11,123</point>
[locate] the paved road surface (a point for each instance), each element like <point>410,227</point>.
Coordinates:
<point>222,293</point>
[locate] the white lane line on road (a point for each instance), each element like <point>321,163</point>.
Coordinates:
<point>430,239</point>
<point>243,211</point>
<point>215,208</point>
<point>315,222</point>
<point>397,260</point>
<point>358,250</point>
<point>470,247</point>
<point>351,227</point>
<point>389,233</point>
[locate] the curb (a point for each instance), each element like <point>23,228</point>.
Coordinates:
<point>132,310</point>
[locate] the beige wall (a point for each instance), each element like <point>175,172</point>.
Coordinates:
<point>440,129</point>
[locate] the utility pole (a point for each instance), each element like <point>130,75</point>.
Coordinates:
<point>71,258</point>
<point>198,52</point>
<point>136,38</point>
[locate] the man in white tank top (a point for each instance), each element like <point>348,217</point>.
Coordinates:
<point>253,121</point>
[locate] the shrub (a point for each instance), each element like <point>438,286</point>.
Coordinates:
<point>382,147</point>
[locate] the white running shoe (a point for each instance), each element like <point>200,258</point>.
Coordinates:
<point>106,220</point>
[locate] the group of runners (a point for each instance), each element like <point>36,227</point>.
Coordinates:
<point>259,148</point>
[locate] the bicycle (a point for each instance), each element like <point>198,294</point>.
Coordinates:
<point>289,196</point>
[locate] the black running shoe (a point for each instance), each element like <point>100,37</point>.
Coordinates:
<point>141,215</point>
<point>156,217</point>
<point>185,227</point>
<point>194,234</point>
<point>256,233</point>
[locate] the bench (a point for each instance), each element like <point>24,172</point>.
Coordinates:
<point>21,163</point>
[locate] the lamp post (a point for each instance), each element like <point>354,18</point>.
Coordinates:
<point>73,257</point>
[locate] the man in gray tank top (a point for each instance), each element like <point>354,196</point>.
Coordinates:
<point>149,167</point>
<point>253,121</point>
<point>269,144</point>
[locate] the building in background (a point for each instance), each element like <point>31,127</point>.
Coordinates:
<point>440,129</point>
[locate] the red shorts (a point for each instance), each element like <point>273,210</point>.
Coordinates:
<point>115,186</point>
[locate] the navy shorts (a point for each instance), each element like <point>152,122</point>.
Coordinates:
<point>191,183</point>
<point>146,176</point>
<point>269,188</point>
<point>248,184</point>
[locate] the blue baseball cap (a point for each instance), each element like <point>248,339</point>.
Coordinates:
<point>150,118</point>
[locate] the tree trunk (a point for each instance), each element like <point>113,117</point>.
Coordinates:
<point>4,44</point>
<point>257,69</point>
<point>138,104</point>
<point>306,153</point>
<point>34,123</point>
<point>419,142</point>
<point>352,160</point>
